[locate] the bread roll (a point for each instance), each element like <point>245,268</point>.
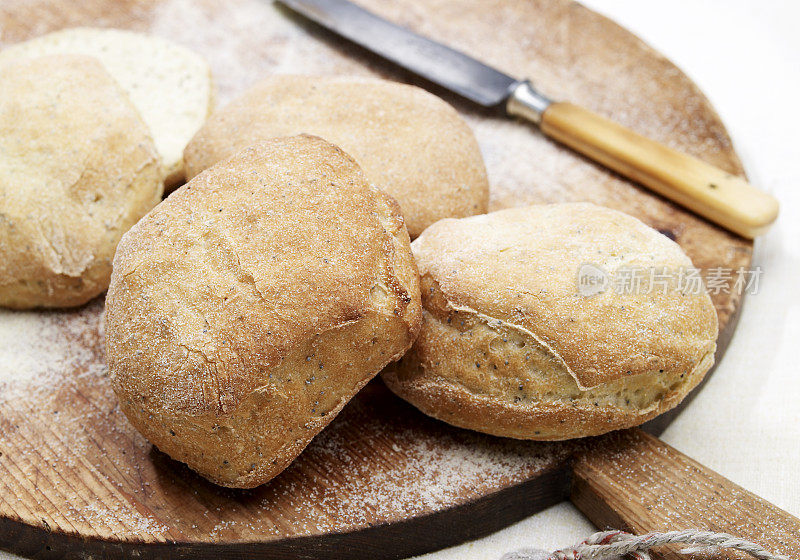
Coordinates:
<point>77,169</point>
<point>517,341</point>
<point>409,143</point>
<point>169,84</point>
<point>253,303</point>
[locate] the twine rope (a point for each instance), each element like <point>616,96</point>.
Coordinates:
<point>612,545</point>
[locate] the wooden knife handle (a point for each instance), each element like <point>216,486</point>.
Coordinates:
<point>632,481</point>
<point>725,199</point>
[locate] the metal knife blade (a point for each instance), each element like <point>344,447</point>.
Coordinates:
<point>436,62</point>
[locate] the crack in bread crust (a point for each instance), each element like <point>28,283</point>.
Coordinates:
<point>486,374</point>
<point>481,361</point>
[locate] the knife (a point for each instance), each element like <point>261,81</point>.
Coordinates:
<point>717,195</point>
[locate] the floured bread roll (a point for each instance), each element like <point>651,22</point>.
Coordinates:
<point>77,169</point>
<point>254,302</point>
<point>169,84</point>
<point>409,143</point>
<point>530,330</point>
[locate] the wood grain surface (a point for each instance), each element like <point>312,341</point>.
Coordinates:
<point>382,481</point>
<point>674,492</point>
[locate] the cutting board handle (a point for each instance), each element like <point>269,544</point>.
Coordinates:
<point>721,197</point>
<point>633,481</point>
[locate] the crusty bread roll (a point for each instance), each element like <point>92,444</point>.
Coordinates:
<point>77,169</point>
<point>169,84</point>
<point>254,302</point>
<point>409,143</point>
<point>518,341</point>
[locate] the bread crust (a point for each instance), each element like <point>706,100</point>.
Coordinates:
<point>508,345</point>
<point>170,85</point>
<point>409,142</point>
<point>254,302</point>
<point>77,169</point>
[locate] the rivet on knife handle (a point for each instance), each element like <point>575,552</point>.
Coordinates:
<point>725,199</point>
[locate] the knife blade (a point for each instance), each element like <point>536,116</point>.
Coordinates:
<point>436,62</point>
<point>728,200</point>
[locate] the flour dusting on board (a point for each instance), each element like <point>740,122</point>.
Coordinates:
<point>237,56</point>
<point>39,348</point>
<point>53,379</point>
<point>428,465</point>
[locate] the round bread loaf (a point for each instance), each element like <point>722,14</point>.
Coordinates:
<point>77,169</point>
<point>169,84</point>
<point>409,143</point>
<point>530,329</point>
<point>254,302</point>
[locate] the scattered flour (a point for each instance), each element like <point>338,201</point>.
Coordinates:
<point>249,40</point>
<point>39,348</point>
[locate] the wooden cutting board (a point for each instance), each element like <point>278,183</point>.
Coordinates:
<point>382,481</point>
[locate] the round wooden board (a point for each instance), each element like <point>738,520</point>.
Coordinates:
<point>382,481</point>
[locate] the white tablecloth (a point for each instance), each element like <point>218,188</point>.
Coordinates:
<point>745,424</point>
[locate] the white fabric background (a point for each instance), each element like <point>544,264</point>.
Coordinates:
<point>745,424</point>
